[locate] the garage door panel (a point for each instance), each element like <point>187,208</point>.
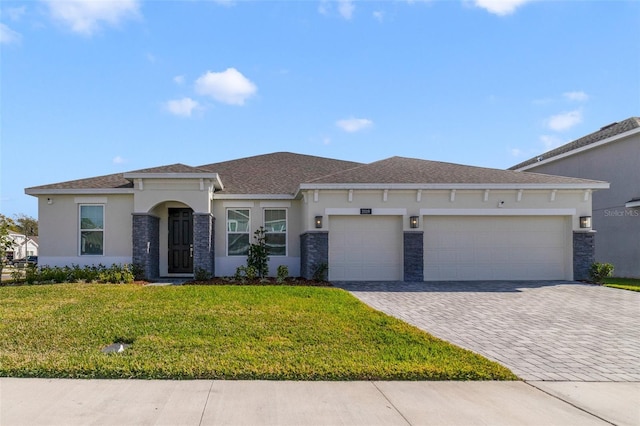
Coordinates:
<point>365,248</point>
<point>491,248</point>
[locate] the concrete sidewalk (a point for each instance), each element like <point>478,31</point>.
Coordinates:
<point>208,402</point>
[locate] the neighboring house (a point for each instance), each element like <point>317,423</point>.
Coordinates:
<point>611,154</point>
<point>18,248</point>
<point>394,219</point>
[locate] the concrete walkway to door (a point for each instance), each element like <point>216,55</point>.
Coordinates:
<point>550,331</point>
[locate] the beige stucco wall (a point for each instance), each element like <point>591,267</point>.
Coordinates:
<point>190,192</point>
<point>226,265</point>
<point>59,229</point>
<point>412,203</point>
<point>618,228</point>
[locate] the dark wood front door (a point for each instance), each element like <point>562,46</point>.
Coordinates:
<point>180,241</point>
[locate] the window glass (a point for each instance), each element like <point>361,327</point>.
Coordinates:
<point>238,226</point>
<point>91,230</point>
<point>275,225</point>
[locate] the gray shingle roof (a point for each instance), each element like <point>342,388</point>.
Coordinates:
<point>604,133</point>
<point>283,172</point>
<point>401,170</point>
<point>277,173</point>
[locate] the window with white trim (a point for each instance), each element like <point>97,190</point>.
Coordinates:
<point>275,226</point>
<point>91,230</point>
<point>238,229</point>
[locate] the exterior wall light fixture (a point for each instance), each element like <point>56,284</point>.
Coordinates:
<point>318,222</point>
<point>414,222</point>
<point>585,221</point>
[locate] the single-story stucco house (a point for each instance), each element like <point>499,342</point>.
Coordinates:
<point>611,154</point>
<point>395,219</point>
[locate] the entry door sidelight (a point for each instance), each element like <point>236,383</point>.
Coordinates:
<point>180,241</point>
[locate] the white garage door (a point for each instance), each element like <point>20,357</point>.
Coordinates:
<point>365,248</point>
<point>496,248</point>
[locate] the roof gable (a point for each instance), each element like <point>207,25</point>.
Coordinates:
<point>605,132</point>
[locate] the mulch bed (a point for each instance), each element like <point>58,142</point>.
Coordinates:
<point>297,281</point>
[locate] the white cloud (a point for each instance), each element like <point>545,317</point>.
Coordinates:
<point>346,8</point>
<point>15,13</point>
<point>516,152</point>
<point>118,160</point>
<point>8,36</point>
<point>565,120</point>
<point>87,16</point>
<point>576,96</point>
<point>326,141</point>
<point>227,3</point>
<point>181,107</point>
<point>500,7</point>
<point>179,79</point>
<point>229,86</point>
<point>324,7</point>
<point>378,15</point>
<point>550,141</point>
<point>352,125</point>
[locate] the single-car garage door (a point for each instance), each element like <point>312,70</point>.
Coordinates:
<point>496,248</point>
<point>365,248</point>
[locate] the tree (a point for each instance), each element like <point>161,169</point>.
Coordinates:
<point>5,242</point>
<point>258,256</point>
<point>26,225</point>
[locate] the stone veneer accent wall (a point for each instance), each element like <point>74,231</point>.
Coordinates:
<point>414,256</point>
<point>314,250</point>
<point>203,243</point>
<point>583,254</point>
<point>146,244</point>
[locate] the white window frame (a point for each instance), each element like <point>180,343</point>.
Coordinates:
<point>227,231</point>
<point>80,229</point>
<point>286,229</point>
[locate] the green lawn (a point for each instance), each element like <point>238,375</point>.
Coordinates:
<point>632,284</point>
<point>219,332</point>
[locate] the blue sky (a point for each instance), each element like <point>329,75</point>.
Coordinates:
<point>94,87</point>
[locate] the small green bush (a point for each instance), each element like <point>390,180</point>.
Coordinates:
<point>320,272</point>
<point>283,274</point>
<point>599,271</point>
<point>201,275</point>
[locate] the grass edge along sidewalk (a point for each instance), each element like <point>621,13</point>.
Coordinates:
<point>219,332</point>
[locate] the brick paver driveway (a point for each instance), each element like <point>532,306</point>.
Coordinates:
<point>540,330</point>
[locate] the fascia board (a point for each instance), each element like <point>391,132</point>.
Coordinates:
<point>83,191</point>
<point>217,196</point>
<point>446,186</point>
<point>170,176</point>
<point>579,150</point>
<point>213,176</point>
<point>632,204</point>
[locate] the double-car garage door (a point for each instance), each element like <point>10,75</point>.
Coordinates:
<point>455,248</point>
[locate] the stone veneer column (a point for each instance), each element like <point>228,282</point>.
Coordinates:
<point>203,243</point>
<point>314,251</point>
<point>146,244</point>
<point>414,256</point>
<point>583,253</point>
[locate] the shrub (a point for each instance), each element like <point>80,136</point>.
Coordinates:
<point>283,274</point>
<point>258,256</point>
<point>320,272</point>
<point>201,274</point>
<point>599,271</point>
